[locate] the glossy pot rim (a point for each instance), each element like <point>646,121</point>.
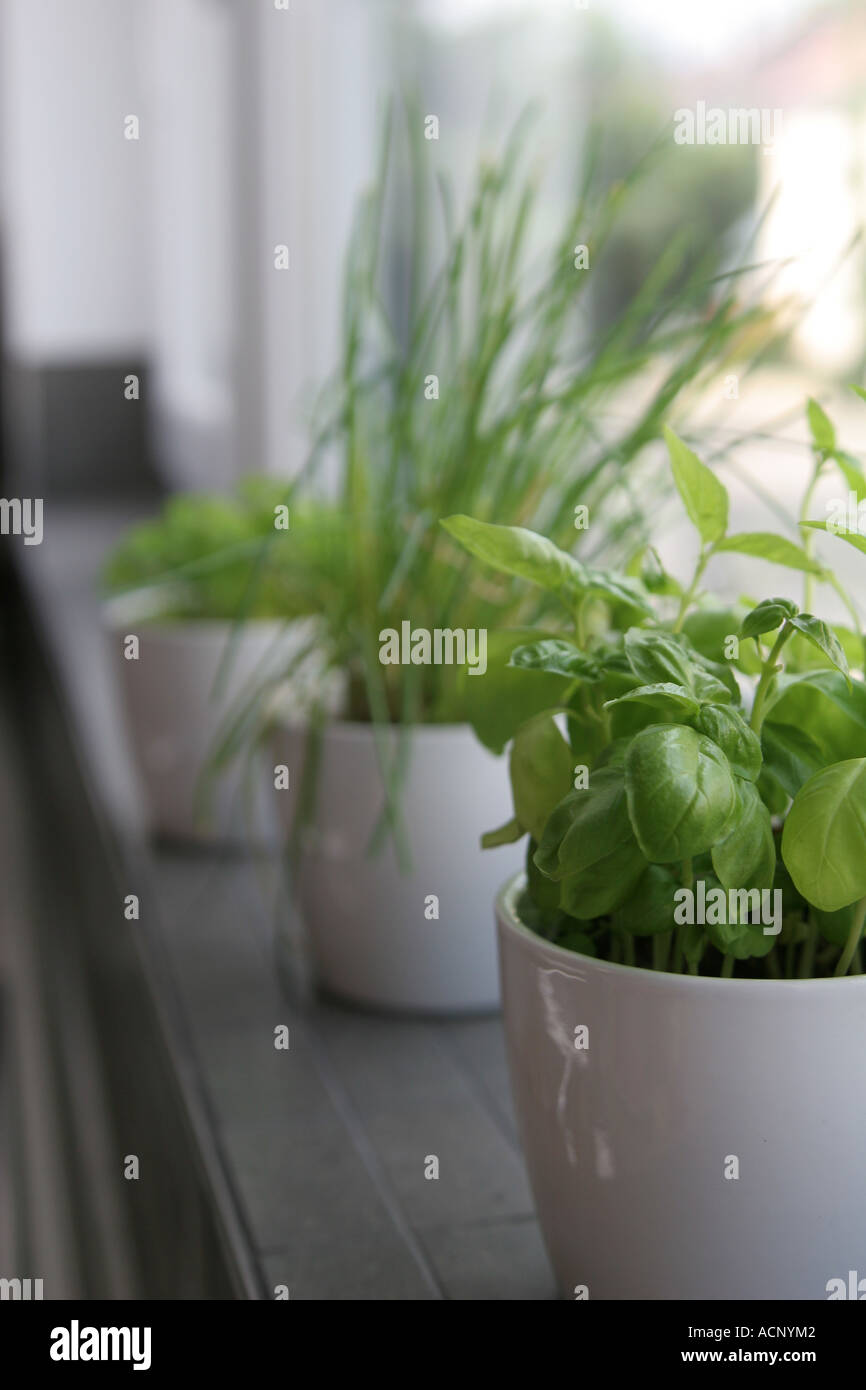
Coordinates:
<point>534,945</point>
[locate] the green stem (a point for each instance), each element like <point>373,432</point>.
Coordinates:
<point>807,955</point>
<point>677,962</point>
<point>809,538</point>
<point>727,967</point>
<point>853,940</point>
<point>767,673</point>
<point>661,950</point>
<point>688,597</point>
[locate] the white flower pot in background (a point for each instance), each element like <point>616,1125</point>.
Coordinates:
<point>370,927</point>
<point>632,1142</point>
<point>175,711</point>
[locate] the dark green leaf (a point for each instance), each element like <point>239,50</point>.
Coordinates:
<point>650,907</point>
<point>589,848</point>
<point>740,744</point>
<point>768,616</point>
<point>558,656</point>
<point>681,792</point>
<point>746,857</point>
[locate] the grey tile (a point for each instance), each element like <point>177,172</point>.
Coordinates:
<point>325,1270</point>
<point>308,1195</point>
<point>503,1260</point>
<point>480,1046</point>
<point>414,1103</point>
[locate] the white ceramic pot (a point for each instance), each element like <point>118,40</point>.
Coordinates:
<point>369,923</point>
<point>628,1142</point>
<point>176,706</point>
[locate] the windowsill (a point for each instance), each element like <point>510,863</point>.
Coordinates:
<point>315,1155</point>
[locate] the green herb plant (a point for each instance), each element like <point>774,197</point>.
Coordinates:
<point>667,748</point>
<point>210,557</point>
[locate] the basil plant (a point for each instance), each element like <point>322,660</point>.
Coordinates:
<point>690,774</point>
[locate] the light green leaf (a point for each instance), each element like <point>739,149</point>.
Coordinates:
<point>514,550</point>
<point>777,549</point>
<point>617,589</point>
<point>824,840</point>
<point>746,857</point>
<point>816,631</point>
<point>821,428</point>
<point>681,792</point>
<point>505,697</point>
<point>506,834</point>
<point>541,769</point>
<point>705,498</point>
<point>833,711</point>
<point>852,537</point>
<point>851,471</point>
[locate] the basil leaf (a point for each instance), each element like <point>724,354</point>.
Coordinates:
<point>852,537</point>
<point>746,857</point>
<point>681,792</point>
<point>833,711</point>
<point>507,834</point>
<point>514,550</point>
<point>705,498</point>
<point>668,699</point>
<point>589,848</point>
<point>825,836</point>
<point>835,926</point>
<point>558,656</point>
<point>816,631</point>
<point>791,755</point>
<point>740,744</point>
<point>650,907</point>
<point>766,546</point>
<point>541,770</point>
<point>657,657</point>
<point>767,617</point>
<point>505,697</point>
<point>820,427</point>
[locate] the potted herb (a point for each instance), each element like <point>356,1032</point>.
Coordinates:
<point>681,961</point>
<point>477,393</point>
<point>207,606</point>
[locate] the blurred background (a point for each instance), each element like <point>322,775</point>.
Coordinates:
<point>178,183</point>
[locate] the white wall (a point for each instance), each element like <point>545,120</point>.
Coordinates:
<point>76,273</point>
